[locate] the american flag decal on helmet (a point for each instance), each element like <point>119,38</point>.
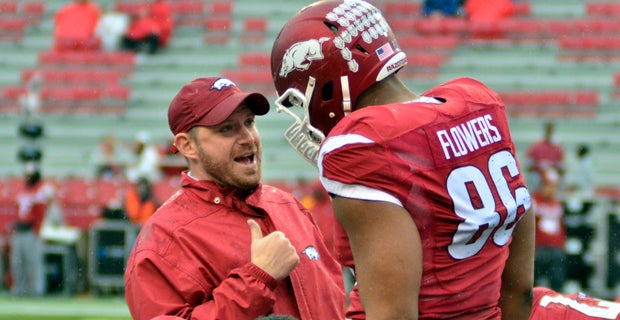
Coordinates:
<point>384,51</point>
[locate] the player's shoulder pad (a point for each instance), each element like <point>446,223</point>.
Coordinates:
<point>465,88</point>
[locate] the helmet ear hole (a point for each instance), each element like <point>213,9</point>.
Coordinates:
<point>361,49</point>
<point>327,91</point>
<point>332,27</point>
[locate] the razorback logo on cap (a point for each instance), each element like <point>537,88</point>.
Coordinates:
<point>222,83</point>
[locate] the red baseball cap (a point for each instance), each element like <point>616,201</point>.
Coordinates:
<point>208,102</point>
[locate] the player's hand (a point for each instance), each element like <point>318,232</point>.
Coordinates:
<point>273,253</point>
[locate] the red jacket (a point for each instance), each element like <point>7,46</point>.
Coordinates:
<point>142,27</point>
<point>192,259</point>
<point>33,203</point>
<point>162,13</point>
<point>550,227</point>
<point>76,20</point>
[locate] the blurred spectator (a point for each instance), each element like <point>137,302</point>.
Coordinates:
<point>143,34</point>
<point>76,22</point>
<point>544,154</point>
<point>488,11</point>
<point>30,101</point>
<point>161,12</point>
<point>171,162</point>
<point>109,158</point>
<point>583,176</point>
<point>550,259</point>
<point>579,183</point>
<point>111,27</point>
<point>139,201</point>
<point>442,8</point>
<point>26,256</point>
<point>146,162</point>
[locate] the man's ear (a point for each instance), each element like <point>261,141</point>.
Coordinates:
<point>186,145</point>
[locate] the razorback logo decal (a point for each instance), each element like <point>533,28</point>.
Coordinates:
<point>301,54</point>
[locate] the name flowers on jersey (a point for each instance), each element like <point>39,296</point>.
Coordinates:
<point>468,136</point>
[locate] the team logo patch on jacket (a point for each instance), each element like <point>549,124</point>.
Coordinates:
<point>311,252</point>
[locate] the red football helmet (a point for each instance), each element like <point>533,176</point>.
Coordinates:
<point>324,57</point>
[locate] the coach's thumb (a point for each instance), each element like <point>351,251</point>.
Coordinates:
<point>255,230</point>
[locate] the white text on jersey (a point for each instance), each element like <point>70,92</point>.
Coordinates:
<point>468,136</point>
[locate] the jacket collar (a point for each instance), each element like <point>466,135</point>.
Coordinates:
<point>210,192</point>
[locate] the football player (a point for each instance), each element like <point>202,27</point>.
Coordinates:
<point>427,187</point>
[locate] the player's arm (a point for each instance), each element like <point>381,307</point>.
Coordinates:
<point>518,276</point>
<point>387,251</point>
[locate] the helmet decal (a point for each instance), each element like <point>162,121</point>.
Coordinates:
<point>355,18</point>
<point>301,54</point>
<point>385,51</point>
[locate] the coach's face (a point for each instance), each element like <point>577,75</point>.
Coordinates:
<point>230,152</point>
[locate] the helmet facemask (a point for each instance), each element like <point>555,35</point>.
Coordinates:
<point>301,135</point>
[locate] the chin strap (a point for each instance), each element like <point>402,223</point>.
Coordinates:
<point>346,95</point>
<point>309,91</point>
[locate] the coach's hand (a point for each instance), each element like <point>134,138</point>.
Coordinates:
<point>273,253</point>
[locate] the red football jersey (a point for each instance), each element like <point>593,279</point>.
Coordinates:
<point>450,161</point>
<point>550,305</point>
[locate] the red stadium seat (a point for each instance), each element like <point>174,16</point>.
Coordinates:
<point>603,8</point>
<point>13,92</point>
<point>221,8</point>
<point>254,30</point>
<point>522,8</point>
<point>443,26</point>
<point>33,11</point>
<point>249,75</point>
<point>552,103</point>
<point>251,79</point>
<point>8,6</point>
<point>165,188</point>
<point>254,59</point>
<point>78,202</point>
<point>128,6</point>
<point>72,77</point>
<point>12,29</point>
<point>9,99</point>
<point>218,29</point>
<point>76,191</point>
<point>116,92</point>
<point>403,26</point>
<point>107,191</point>
<point>400,8</point>
<point>82,216</point>
<point>70,100</point>
<point>71,44</point>
<point>591,48</point>
<point>430,43</point>
<point>188,12</point>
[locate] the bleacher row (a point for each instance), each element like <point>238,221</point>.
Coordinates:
<point>16,17</point>
<point>429,43</point>
<point>72,72</point>
<point>80,200</point>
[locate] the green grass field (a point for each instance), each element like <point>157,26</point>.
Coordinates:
<point>83,307</point>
